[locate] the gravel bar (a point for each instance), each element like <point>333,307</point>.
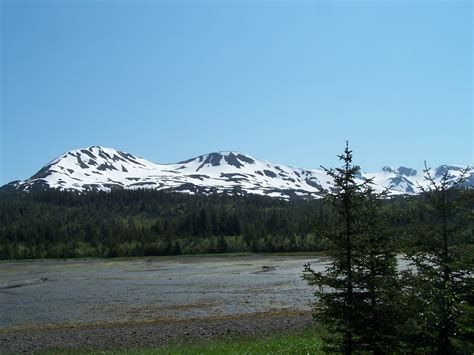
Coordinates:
<point>161,333</point>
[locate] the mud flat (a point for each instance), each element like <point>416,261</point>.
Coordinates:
<point>86,299</point>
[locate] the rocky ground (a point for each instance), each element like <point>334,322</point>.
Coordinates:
<point>140,302</point>
<point>149,334</point>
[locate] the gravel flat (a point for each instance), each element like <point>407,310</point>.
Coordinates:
<point>109,303</point>
<point>148,335</point>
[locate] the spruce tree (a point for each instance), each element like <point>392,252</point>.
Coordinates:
<point>355,294</point>
<point>441,279</point>
<point>376,278</point>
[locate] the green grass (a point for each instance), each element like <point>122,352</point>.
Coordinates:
<point>303,342</point>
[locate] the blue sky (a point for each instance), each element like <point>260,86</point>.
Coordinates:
<point>288,82</point>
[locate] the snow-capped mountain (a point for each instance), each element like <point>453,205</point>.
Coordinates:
<point>103,169</point>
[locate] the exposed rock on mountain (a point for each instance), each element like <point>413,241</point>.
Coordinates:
<point>103,169</point>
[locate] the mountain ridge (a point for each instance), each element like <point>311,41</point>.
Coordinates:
<point>98,168</point>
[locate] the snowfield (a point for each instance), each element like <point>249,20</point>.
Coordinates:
<point>103,169</point>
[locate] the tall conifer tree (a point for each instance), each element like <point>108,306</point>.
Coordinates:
<point>441,280</point>
<point>355,294</point>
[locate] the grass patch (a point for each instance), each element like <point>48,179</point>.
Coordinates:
<point>303,342</point>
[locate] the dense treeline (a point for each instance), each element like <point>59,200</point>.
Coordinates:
<point>55,224</point>
<point>58,224</point>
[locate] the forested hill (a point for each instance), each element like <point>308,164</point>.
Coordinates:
<point>54,224</point>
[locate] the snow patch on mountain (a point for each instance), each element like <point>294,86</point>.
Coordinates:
<point>104,169</point>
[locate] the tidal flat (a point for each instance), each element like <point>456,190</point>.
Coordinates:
<point>38,294</point>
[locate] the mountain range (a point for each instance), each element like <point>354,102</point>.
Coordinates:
<point>104,169</point>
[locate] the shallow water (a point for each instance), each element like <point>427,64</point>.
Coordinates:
<point>106,290</point>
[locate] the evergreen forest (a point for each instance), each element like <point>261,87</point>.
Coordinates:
<point>60,224</point>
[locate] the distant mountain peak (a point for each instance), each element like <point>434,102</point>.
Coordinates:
<point>98,168</point>
<point>406,171</point>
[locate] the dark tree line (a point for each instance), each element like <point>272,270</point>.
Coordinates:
<point>55,224</point>
<point>58,224</point>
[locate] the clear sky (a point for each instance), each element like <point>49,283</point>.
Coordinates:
<point>286,81</point>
